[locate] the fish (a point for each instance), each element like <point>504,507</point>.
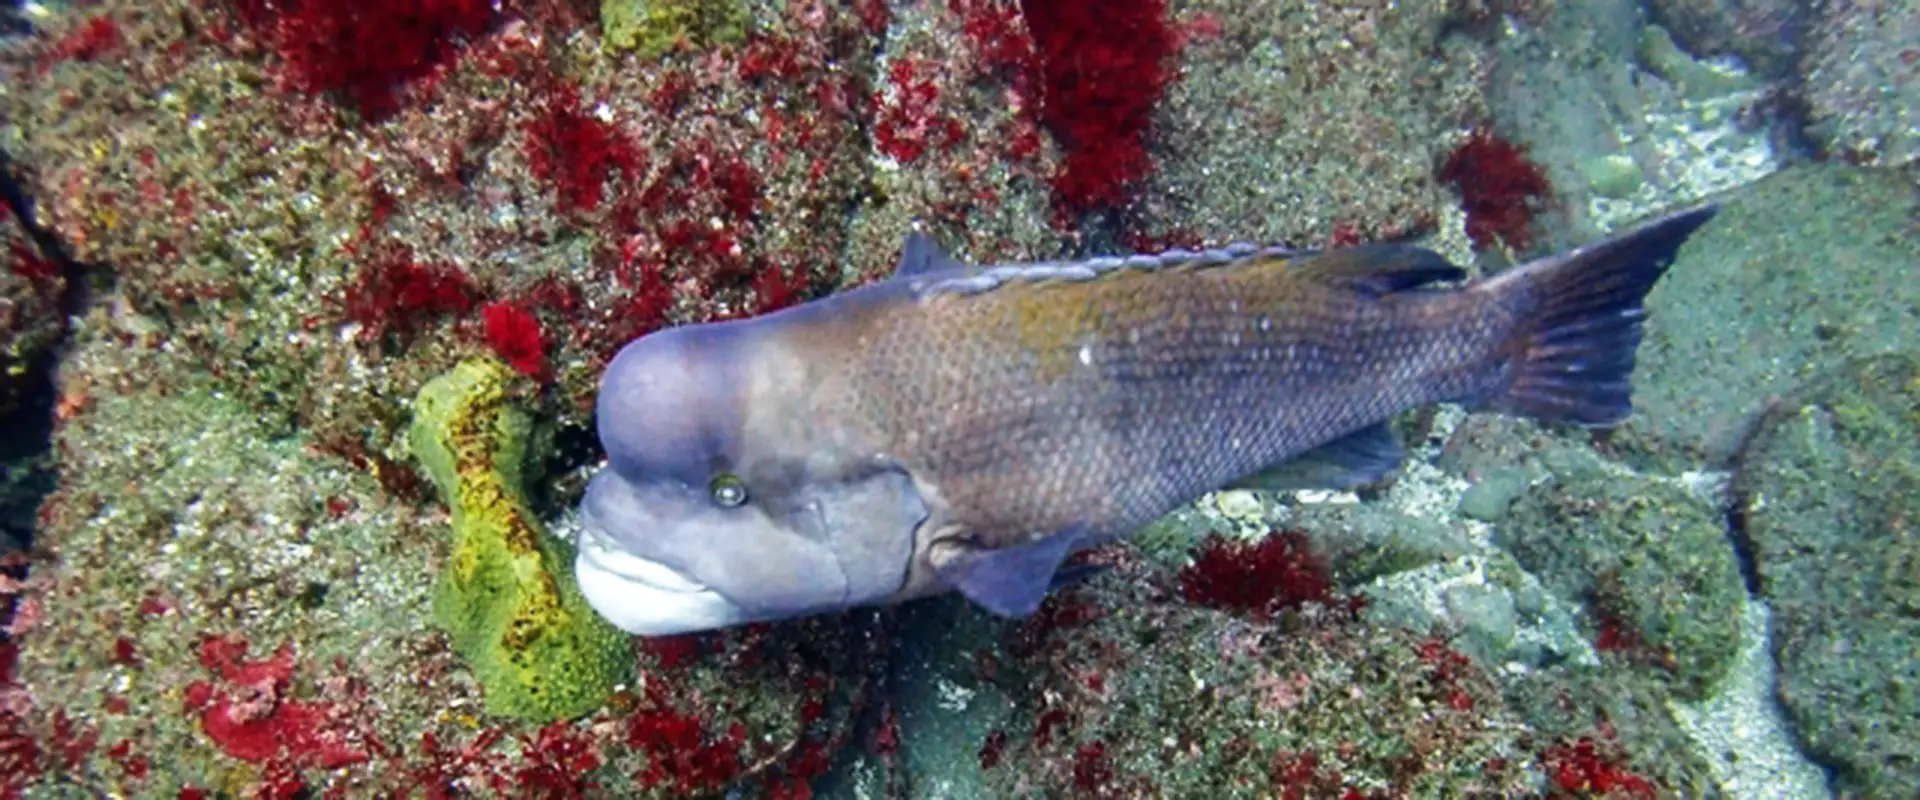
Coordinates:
<point>967,428</point>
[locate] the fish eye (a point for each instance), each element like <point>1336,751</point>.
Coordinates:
<point>727,490</point>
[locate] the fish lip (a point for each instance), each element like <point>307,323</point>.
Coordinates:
<point>597,548</point>
<point>645,597</point>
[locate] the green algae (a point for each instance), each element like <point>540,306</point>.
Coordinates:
<point>653,28</point>
<point>507,596</point>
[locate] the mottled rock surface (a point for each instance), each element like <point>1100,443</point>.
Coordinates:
<point>1650,558</point>
<point>1829,491</point>
<point>1767,34</point>
<point>1355,107</point>
<point>1862,81</point>
<point>1766,296</point>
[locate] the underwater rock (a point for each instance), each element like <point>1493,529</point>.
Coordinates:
<point>216,599</point>
<point>1363,541</point>
<point>1695,78</point>
<point>216,605</point>
<point>1768,34</point>
<point>1649,558</point>
<point>1766,295</point>
<point>30,318</point>
<point>1358,106</point>
<point>1122,690</point>
<point>1828,494</point>
<point>958,148</point>
<point>653,28</point>
<point>323,265</point>
<point>1862,82</point>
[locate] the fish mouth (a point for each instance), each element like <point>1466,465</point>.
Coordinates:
<point>642,596</point>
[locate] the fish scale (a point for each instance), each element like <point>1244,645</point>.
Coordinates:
<point>1176,363</point>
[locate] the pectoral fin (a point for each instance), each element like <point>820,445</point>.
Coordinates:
<point>1008,581</point>
<point>1357,459</point>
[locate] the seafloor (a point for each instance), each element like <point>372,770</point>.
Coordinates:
<point>304,303</point>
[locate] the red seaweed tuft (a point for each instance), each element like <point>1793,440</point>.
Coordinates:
<point>397,294</point>
<point>365,50</point>
<point>19,752</point>
<point>1498,189</point>
<point>578,153</point>
<point>558,758</point>
<point>1583,767</point>
<point>910,122</point>
<point>1092,770</point>
<point>250,716</point>
<point>1104,65</point>
<point>681,754</point>
<point>1261,578</point>
<point>91,40</point>
<point>514,334</point>
<point>993,749</point>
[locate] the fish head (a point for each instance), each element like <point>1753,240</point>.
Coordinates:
<point>728,496</point>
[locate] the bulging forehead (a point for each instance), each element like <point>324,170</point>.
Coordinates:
<point>672,403</point>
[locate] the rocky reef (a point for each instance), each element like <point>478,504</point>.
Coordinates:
<point>303,305</point>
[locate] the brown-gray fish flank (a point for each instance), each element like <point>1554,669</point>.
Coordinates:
<point>1029,402</point>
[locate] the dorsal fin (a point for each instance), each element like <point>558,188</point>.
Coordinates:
<point>984,279</point>
<point>922,255</point>
<point>1380,268</point>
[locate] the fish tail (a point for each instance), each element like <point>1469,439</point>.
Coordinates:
<point>1571,356</point>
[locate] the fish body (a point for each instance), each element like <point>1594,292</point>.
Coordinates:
<point>961,427</point>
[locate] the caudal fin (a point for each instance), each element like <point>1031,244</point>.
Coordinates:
<point>1580,314</point>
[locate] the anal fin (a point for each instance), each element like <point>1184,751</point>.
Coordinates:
<point>1353,460</point>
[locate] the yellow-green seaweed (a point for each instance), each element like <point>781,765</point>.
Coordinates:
<point>654,27</point>
<point>507,597</point>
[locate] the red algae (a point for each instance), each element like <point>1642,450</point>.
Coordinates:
<point>1297,777</point>
<point>1104,64</point>
<point>909,121</point>
<point>1498,189</point>
<point>27,263</point>
<point>1582,768</point>
<point>92,39</point>
<point>993,749</point>
<point>1261,578</point>
<point>19,751</point>
<point>578,153</point>
<point>253,719</point>
<point>396,294</point>
<point>477,762</point>
<point>365,50</point>
<point>775,288</point>
<point>1092,770</point>
<point>681,754</point>
<point>514,334</point>
<point>558,759</point>
<point>673,652</point>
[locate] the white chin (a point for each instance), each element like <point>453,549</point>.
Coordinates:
<point>646,597</point>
